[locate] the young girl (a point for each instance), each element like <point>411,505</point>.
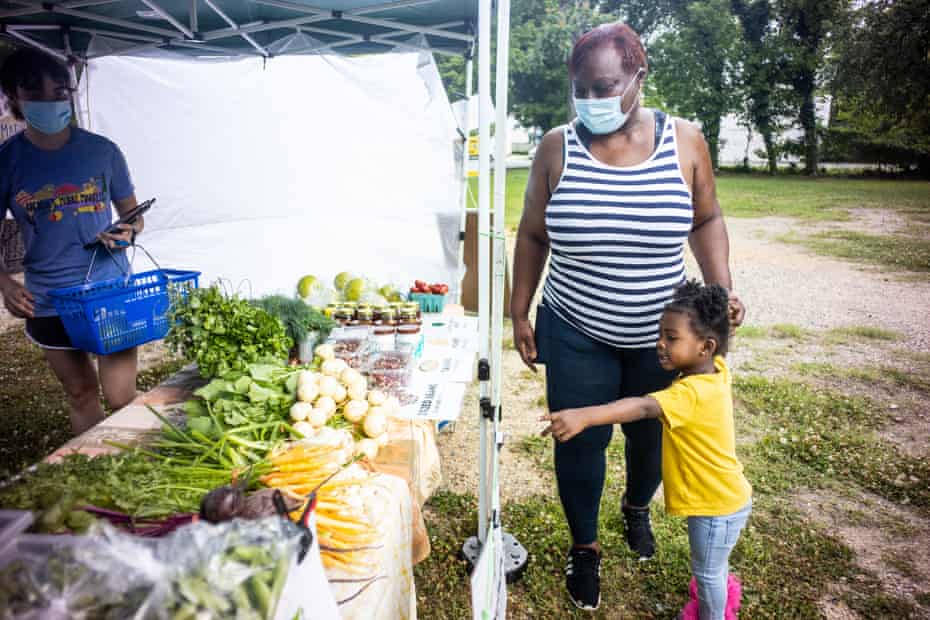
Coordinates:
<point>702,477</point>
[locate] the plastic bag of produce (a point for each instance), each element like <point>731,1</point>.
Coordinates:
<point>235,570</point>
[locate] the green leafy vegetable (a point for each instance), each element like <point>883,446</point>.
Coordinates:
<point>224,333</point>
<point>133,482</point>
<point>298,318</point>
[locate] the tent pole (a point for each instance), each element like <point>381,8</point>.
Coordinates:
<point>515,558</point>
<point>484,254</point>
<point>39,46</point>
<point>194,22</point>
<point>75,101</point>
<point>463,208</point>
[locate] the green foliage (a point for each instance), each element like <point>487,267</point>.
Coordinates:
<point>542,36</point>
<point>298,318</point>
<point>901,253</point>
<point>223,332</point>
<point>693,65</point>
<point>806,26</point>
<point>130,482</point>
<point>235,420</point>
<point>864,331</point>
<point>825,199</point>
<point>833,434</point>
<point>882,107</point>
<point>764,97</point>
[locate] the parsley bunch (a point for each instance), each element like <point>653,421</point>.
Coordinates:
<point>224,333</point>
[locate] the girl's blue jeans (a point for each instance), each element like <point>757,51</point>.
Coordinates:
<point>712,539</point>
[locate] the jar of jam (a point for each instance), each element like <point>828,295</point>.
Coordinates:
<point>408,336</point>
<point>407,317</point>
<point>413,306</point>
<point>343,316</point>
<point>364,316</point>
<point>384,337</point>
<point>388,317</point>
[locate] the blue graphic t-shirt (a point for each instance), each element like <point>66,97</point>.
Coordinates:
<point>61,201</point>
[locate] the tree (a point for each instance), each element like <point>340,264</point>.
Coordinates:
<point>761,75</point>
<point>541,40</point>
<point>806,27</point>
<point>542,33</point>
<point>692,65</point>
<point>882,92</point>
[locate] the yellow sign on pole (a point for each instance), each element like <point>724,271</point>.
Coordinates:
<point>473,156</point>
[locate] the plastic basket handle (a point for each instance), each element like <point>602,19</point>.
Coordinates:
<point>126,273</point>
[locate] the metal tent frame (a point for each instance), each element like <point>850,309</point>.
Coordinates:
<point>65,29</point>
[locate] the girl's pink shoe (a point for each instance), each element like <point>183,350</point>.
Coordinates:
<point>692,610</point>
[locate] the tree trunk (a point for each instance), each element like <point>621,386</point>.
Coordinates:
<point>711,129</point>
<point>770,153</point>
<point>808,118</point>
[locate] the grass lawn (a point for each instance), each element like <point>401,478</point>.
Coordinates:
<point>755,195</point>
<point>815,200</point>
<point>752,195</point>
<point>794,436</point>
<point>33,407</point>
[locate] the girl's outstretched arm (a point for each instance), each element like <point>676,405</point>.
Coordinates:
<point>565,424</point>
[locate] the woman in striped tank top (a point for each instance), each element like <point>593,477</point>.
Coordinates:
<point>611,199</point>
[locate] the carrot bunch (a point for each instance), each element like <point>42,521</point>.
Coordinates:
<point>345,532</point>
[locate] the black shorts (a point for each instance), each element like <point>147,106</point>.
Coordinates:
<point>49,333</point>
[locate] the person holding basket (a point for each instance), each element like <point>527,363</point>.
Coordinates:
<point>58,182</point>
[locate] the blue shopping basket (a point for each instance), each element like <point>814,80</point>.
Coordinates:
<point>120,313</point>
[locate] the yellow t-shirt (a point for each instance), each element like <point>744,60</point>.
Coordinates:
<point>700,471</point>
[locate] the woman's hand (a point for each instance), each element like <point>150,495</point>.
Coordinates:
<point>565,424</point>
<point>737,311</point>
<point>525,341</point>
<point>18,301</point>
<point>118,240</point>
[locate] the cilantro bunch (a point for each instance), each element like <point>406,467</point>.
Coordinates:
<point>224,333</point>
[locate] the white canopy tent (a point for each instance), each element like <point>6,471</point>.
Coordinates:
<point>265,172</point>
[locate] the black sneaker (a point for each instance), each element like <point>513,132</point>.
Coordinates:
<point>583,578</point>
<point>639,532</point>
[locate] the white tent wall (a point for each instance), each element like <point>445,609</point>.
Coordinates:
<point>266,171</point>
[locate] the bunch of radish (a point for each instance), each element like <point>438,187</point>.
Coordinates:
<point>338,396</point>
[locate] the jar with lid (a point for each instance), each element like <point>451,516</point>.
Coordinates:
<point>413,306</point>
<point>388,317</point>
<point>343,316</point>
<point>364,316</point>
<point>408,317</point>
<point>408,336</point>
<point>384,337</point>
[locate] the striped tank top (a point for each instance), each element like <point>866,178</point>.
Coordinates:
<point>616,239</point>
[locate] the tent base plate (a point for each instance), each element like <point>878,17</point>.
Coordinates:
<point>516,556</point>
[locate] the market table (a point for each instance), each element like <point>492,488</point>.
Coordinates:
<point>408,466</point>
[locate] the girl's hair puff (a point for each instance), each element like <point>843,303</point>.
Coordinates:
<point>708,307</point>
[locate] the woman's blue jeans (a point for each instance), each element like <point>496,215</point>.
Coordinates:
<point>712,539</point>
<point>580,372</point>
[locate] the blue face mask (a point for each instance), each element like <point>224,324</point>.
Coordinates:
<point>603,116</point>
<point>48,117</point>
